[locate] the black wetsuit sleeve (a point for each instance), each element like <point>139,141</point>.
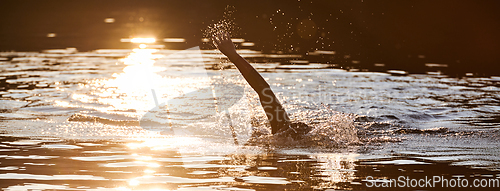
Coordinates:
<point>274,110</point>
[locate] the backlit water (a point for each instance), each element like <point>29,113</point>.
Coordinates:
<point>74,120</point>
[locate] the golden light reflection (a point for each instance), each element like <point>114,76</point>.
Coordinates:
<point>62,104</point>
<point>153,165</point>
<point>133,182</point>
<point>337,167</point>
<point>143,40</point>
<point>149,171</point>
<point>145,158</point>
<point>135,82</point>
<point>128,94</point>
<point>109,20</point>
<point>174,40</point>
<point>166,143</point>
<point>82,97</point>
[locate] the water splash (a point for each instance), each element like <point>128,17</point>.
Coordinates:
<point>329,129</point>
<point>227,24</point>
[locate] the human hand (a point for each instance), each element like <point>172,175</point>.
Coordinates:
<point>223,42</point>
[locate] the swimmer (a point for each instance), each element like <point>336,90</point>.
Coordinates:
<point>278,118</point>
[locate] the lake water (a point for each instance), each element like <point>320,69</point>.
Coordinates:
<point>155,119</point>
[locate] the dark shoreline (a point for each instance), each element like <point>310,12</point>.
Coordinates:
<point>400,34</point>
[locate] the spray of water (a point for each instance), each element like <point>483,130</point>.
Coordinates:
<point>329,129</point>
<point>226,24</point>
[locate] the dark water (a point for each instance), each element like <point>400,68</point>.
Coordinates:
<point>70,121</point>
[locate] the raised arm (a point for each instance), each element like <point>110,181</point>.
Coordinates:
<point>274,110</point>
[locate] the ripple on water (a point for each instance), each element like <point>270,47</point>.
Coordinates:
<point>188,159</point>
<point>104,152</point>
<point>15,176</point>
<point>54,146</point>
<point>38,157</point>
<point>38,164</point>
<point>213,166</point>
<point>178,180</point>
<point>35,186</point>
<point>103,158</point>
<point>131,164</point>
<point>265,168</point>
<point>263,180</point>
<point>31,142</point>
<point>203,172</point>
<point>12,104</point>
<point>214,187</point>
<point>9,168</point>
<point>397,162</point>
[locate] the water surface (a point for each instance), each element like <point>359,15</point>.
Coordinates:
<point>72,121</point>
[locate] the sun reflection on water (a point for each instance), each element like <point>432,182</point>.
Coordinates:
<point>140,72</point>
<point>147,69</point>
<point>143,40</point>
<point>335,168</point>
<point>165,143</point>
<point>130,89</point>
